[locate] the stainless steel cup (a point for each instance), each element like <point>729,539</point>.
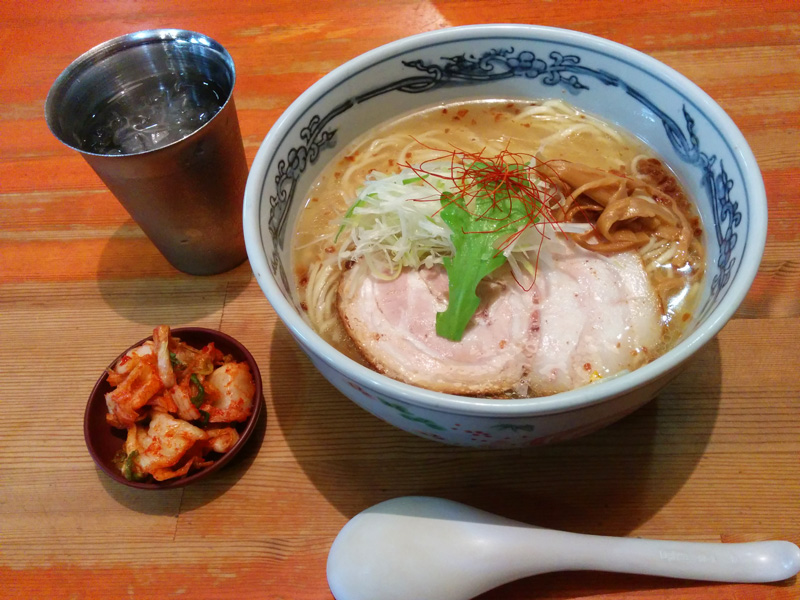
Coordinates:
<point>186,195</point>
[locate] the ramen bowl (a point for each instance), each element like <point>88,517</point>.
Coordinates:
<point>681,124</point>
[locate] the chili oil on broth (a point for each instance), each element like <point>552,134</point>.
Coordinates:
<point>548,130</point>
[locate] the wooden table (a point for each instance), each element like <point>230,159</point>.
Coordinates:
<point>715,458</point>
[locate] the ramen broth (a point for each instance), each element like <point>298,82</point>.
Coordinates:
<point>539,131</point>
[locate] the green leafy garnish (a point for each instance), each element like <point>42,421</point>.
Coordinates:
<point>203,421</point>
<point>493,212</point>
<point>197,399</point>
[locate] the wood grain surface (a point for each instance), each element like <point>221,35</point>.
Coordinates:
<point>716,457</point>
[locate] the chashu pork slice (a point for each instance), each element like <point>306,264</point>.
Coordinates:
<point>598,316</point>
<point>393,323</point>
<point>587,317</point>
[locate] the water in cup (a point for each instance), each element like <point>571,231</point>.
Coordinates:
<point>150,113</point>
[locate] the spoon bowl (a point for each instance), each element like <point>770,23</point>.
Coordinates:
<point>420,547</point>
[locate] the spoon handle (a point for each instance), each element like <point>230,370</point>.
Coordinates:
<point>748,562</point>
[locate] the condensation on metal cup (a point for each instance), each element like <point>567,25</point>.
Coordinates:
<point>186,196</point>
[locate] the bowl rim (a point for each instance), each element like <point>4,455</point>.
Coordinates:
<point>244,435</point>
<point>534,406</point>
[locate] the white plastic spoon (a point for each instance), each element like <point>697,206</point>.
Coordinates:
<point>421,548</point>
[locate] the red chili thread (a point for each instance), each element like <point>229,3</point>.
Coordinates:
<point>511,176</point>
<point>508,173</point>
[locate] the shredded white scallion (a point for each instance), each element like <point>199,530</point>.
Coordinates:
<point>394,223</point>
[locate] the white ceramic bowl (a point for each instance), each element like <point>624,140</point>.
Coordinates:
<point>675,117</point>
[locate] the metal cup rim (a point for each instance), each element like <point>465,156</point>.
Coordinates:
<point>118,44</point>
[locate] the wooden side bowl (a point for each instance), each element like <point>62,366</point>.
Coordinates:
<point>104,441</point>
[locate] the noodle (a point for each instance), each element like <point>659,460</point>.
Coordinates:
<point>610,195</point>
